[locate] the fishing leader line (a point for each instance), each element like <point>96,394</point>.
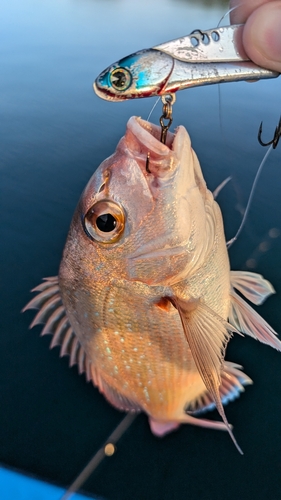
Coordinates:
<point>230,242</point>
<point>153,107</point>
<point>272,145</point>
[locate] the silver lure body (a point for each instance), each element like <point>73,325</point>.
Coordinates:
<point>201,58</point>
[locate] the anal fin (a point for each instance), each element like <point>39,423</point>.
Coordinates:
<point>232,384</point>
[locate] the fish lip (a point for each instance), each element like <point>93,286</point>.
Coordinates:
<point>147,140</point>
<point>155,131</point>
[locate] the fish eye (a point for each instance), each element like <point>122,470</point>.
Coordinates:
<point>104,221</point>
<point>120,78</point>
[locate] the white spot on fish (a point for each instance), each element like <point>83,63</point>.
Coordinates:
<point>146,394</point>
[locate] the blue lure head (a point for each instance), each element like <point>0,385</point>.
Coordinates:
<point>142,74</point>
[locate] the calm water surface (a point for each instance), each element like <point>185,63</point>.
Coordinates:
<point>54,133</point>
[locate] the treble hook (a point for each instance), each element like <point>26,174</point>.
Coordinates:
<point>276,137</point>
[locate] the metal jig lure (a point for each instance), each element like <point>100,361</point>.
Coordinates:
<point>201,58</point>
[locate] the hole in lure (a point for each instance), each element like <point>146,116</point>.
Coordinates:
<point>205,39</point>
<point>194,41</point>
<point>215,36</point>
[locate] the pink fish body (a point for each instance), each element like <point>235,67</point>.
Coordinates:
<point>145,302</point>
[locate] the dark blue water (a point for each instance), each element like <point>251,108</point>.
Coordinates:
<point>54,133</point>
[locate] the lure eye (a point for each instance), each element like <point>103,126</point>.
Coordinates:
<point>104,222</point>
<point>120,79</point>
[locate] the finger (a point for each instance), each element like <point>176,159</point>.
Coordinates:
<point>243,9</point>
<point>262,36</point>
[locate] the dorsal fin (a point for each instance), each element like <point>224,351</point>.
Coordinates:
<point>53,314</point>
<point>252,285</point>
<point>241,315</point>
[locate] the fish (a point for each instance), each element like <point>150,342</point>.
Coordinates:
<point>145,302</point>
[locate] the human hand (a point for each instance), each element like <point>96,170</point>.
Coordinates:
<point>262,31</point>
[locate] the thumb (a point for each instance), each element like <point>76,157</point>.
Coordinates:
<point>262,36</point>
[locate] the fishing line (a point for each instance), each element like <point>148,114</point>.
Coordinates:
<point>107,449</point>
<point>152,109</point>
<point>230,242</point>
<point>228,12</point>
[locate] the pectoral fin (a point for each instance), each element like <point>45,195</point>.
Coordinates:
<point>207,335</point>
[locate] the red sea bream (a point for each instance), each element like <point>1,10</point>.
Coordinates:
<point>145,301</point>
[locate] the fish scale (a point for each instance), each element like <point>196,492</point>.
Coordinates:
<point>161,348</point>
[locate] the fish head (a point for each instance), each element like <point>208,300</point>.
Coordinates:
<point>142,216</point>
<point>142,74</point>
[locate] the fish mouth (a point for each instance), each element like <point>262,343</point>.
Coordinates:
<point>155,132</point>
<point>156,159</point>
<point>143,140</point>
